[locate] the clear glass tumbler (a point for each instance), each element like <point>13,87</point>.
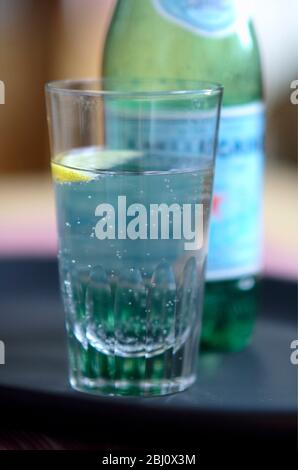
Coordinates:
<point>133,211</point>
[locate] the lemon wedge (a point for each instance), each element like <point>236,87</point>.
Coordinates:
<point>83,164</point>
<point>63,174</point>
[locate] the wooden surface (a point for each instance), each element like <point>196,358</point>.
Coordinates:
<point>42,41</point>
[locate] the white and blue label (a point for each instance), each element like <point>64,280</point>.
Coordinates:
<point>235,231</point>
<point>235,228</point>
<point>204,17</point>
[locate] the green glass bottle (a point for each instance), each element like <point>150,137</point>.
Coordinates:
<point>210,40</point>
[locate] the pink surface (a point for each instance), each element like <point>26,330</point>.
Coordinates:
<point>16,240</point>
<point>24,241</point>
<point>280,261</point>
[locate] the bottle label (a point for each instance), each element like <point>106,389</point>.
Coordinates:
<point>235,230</point>
<point>204,17</point>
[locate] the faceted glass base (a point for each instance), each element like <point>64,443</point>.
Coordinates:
<point>170,371</point>
<point>130,388</point>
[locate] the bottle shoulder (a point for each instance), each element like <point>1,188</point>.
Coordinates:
<point>154,48</point>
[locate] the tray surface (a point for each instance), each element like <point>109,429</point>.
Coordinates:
<point>257,385</point>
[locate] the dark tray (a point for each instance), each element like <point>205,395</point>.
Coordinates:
<point>251,393</point>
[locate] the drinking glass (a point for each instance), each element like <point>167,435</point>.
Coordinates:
<point>133,203</point>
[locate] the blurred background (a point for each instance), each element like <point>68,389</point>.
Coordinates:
<point>55,39</point>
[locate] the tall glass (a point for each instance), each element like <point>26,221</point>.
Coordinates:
<point>133,212</point>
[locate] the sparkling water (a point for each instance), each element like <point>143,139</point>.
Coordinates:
<point>133,303</point>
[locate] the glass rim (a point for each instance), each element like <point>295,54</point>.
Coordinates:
<point>183,87</point>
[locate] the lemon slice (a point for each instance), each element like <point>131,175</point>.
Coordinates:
<point>63,174</point>
<point>83,164</point>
